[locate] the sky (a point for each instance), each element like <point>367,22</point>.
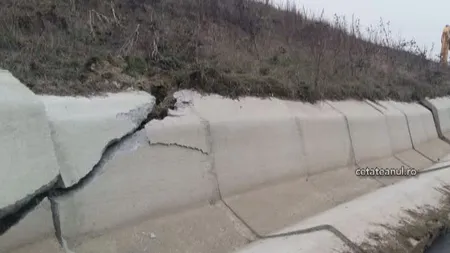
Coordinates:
<point>420,20</point>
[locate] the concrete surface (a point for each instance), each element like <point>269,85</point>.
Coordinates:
<point>37,225</point>
<point>324,134</point>
<point>400,137</point>
<point>200,230</point>
<point>48,245</point>
<point>358,217</point>
<point>397,125</point>
<point>267,158</point>
<point>441,111</point>
<point>83,127</point>
<point>184,129</point>
<point>423,131</point>
<point>151,180</point>
<point>385,163</point>
<point>27,156</point>
<point>366,125</point>
<point>292,201</point>
<point>254,141</point>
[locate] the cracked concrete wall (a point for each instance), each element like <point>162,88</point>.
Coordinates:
<point>170,171</point>
<point>83,127</point>
<point>36,225</point>
<point>207,149</point>
<point>27,156</point>
<point>250,138</point>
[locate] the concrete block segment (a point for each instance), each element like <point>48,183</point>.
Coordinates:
<point>83,127</point>
<point>324,136</point>
<point>400,137</point>
<point>49,245</point>
<point>358,217</point>
<point>423,131</point>
<point>331,175</point>
<point>27,157</point>
<point>36,225</point>
<point>368,130</point>
<point>155,178</point>
<point>254,141</point>
<point>290,202</point>
<point>370,136</point>
<point>440,108</point>
<point>201,230</point>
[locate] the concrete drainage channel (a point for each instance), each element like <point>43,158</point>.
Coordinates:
<point>207,177</point>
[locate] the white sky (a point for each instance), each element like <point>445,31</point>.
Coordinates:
<point>422,21</point>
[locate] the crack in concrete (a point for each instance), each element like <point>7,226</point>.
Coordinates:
<point>114,145</point>
<point>216,194</point>
<point>13,215</point>
<point>109,152</point>
<point>55,189</point>
<point>173,144</point>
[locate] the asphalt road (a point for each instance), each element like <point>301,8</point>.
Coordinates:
<point>442,245</point>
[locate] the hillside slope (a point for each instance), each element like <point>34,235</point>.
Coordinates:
<point>229,47</point>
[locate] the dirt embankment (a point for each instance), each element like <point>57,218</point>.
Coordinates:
<point>229,47</point>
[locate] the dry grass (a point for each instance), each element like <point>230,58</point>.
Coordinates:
<point>229,47</point>
<point>416,230</point>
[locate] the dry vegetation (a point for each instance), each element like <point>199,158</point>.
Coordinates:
<point>229,47</point>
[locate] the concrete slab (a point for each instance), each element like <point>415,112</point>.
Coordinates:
<point>36,225</point>
<point>366,125</point>
<point>343,185</point>
<point>381,206</point>
<point>49,245</point>
<point>414,159</point>
<point>423,131</point>
<point>358,217</point>
<point>254,140</point>
<point>441,111</point>
<point>98,121</point>
<point>146,182</point>
<point>183,128</point>
<point>284,203</point>
<point>435,149</point>
<point>28,160</point>
<point>204,230</point>
<point>325,136</point>
<point>385,163</point>
<point>401,141</point>
<point>292,201</point>
<point>397,125</point>
<point>317,242</point>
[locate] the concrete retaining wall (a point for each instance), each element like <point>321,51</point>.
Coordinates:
<point>423,131</point>
<point>441,110</point>
<point>255,134</point>
<point>36,225</point>
<point>399,134</point>
<point>356,218</point>
<point>99,121</point>
<point>27,159</point>
<point>263,157</point>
